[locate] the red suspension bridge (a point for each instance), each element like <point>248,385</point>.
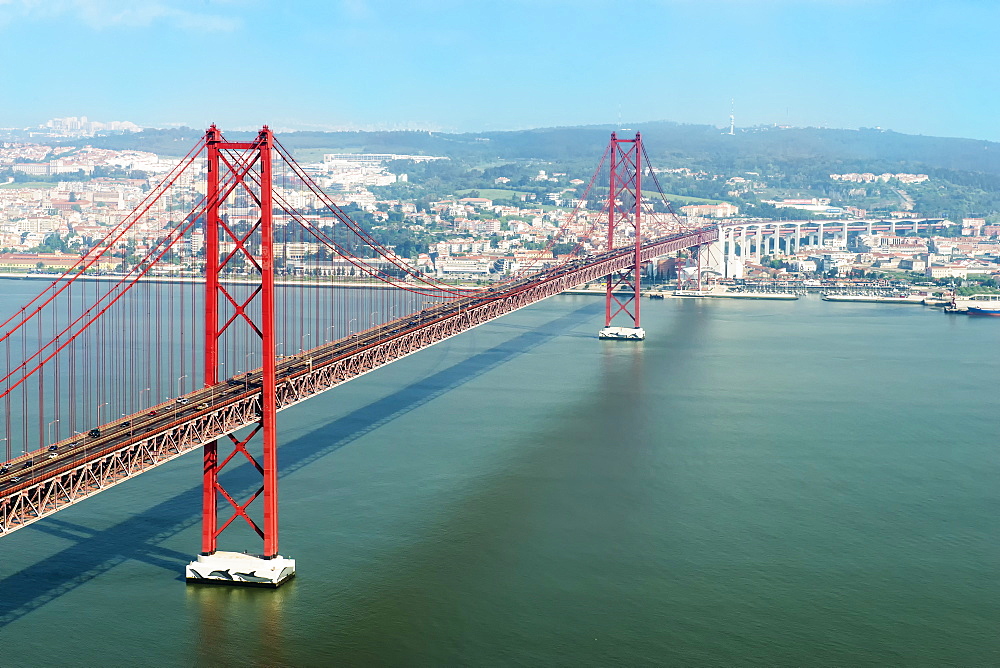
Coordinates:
<point>242,289</point>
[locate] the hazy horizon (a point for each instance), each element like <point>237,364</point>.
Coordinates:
<point>450,66</point>
<point>623,127</point>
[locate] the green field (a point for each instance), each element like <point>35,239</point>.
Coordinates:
<point>494,194</point>
<point>498,195</point>
<point>27,184</point>
<point>682,200</point>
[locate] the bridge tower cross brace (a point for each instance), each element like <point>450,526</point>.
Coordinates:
<point>625,221</point>
<point>248,168</point>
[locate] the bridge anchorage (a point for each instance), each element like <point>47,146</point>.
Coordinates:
<point>239,272</point>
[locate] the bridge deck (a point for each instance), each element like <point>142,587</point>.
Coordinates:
<point>42,483</point>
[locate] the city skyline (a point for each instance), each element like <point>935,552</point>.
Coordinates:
<point>448,65</point>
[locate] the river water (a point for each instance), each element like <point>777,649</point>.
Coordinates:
<point>758,483</point>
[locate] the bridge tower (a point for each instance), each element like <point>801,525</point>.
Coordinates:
<point>624,228</point>
<point>247,169</point>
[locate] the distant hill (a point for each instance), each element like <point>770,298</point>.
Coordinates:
<point>669,144</point>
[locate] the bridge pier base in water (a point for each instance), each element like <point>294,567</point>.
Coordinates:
<point>622,333</point>
<point>238,568</point>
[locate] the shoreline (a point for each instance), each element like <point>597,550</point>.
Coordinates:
<point>186,280</point>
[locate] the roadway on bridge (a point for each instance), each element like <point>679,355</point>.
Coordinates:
<point>30,468</point>
<point>41,465</point>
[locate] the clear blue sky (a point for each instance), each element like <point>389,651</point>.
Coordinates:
<point>922,66</point>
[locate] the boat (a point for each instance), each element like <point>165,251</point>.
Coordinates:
<point>982,302</point>
<point>984,310</point>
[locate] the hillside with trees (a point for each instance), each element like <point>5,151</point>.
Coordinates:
<point>781,162</point>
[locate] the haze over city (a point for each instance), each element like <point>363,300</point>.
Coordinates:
<point>461,66</point>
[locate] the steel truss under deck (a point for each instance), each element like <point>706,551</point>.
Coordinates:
<point>315,371</point>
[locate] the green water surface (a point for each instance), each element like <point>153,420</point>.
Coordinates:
<point>758,483</point>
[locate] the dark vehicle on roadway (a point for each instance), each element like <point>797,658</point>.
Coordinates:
<point>94,433</point>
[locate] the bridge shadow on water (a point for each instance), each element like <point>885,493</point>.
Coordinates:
<point>95,552</point>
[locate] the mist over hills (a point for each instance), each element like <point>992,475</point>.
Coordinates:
<point>669,145</point>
